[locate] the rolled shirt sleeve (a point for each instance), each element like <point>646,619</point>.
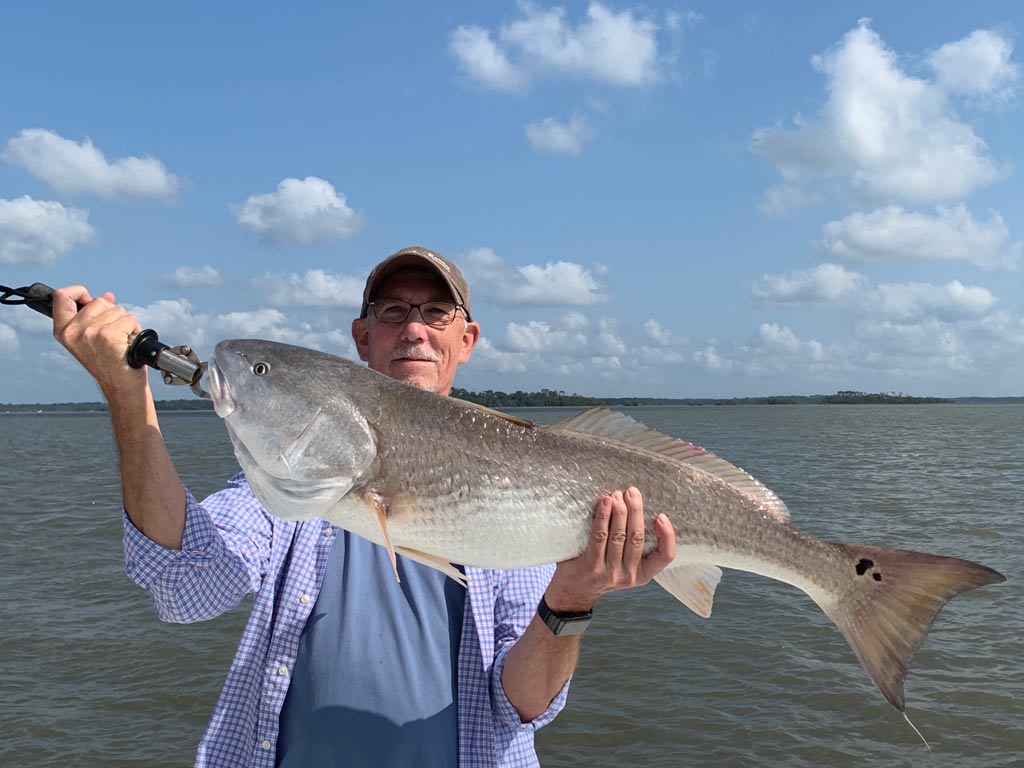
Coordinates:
<point>518,593</point>
<point>223,556</point>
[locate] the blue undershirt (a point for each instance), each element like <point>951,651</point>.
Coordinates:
<point>375,681</point>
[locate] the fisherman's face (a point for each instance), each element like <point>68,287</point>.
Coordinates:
<point>414,352</point>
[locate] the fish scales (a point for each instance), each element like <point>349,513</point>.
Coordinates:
<point>531,486</point>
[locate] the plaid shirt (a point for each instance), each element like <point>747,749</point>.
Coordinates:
<point>232,546</point>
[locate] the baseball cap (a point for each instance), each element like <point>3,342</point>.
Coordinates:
<point>417,256</point>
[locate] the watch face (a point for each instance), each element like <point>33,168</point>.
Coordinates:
<point>571,626</point>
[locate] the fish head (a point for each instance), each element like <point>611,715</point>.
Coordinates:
<point>303,440</point>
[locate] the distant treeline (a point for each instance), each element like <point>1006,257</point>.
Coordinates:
<point>848,396</point>
<point>161,405</point>
<point>549,397</point>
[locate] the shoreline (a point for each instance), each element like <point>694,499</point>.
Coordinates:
<point>203,408</point>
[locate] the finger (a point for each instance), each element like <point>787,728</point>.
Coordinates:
<point>616,533</point>
<point>634,546</point>
<point>66,303</point>
<point>656,560</point>
<point>599,529</point>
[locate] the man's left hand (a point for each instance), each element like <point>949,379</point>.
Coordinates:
<point>614,558</point>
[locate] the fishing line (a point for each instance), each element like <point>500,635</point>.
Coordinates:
<point>932,756</point>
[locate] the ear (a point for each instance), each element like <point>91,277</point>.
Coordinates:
<point>361,336</point>
<point>469,339</point>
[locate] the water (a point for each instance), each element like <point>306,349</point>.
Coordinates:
<point>92,678</point>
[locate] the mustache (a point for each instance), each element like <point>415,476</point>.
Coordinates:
<point>413,352</point>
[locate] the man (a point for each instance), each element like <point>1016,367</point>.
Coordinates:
<point>339,663</point>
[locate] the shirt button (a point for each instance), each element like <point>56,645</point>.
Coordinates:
<point>328,531</point>
<point>282,670</point>
<point>304,599</point>
<point>265,744</point>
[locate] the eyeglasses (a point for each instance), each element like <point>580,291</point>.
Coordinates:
<point>436,314</point>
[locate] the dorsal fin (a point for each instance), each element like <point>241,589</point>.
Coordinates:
<point>514,419</point>
<point>611,425</point>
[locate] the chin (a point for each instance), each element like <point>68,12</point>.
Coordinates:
<point>428,383</point>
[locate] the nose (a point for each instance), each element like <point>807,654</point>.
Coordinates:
<point>414,328</point>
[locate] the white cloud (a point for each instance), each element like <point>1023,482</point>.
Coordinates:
<point>179,322</point>
<point>1002,329</point>
<point>663,352</point>
<point>8,341</point>
<point>912,349</point>
<point>316,288</point>
<point>574,321</point>
<point>676,21</point>
<point>895,234</point>
<point>549,135</point>
<point>481,58</point>
<point>559,283</point>
<point>302,211</point>
<point>772,349</point>
<point>662,335</point>
<point>977,65</point>
<point>30,322</point>
<point>914,302</point>
<point>710,359</point>
<point>647,355</point>
<point>36,232</point>
<point>72,168</point>
<point>568,346</point>
<point>609,344</point>
<point>830,284</point>
<point>188,277</point>
<point>824,284</point>
<point>891,136</point>
<point>606,47</point>
<point>783,199</point>
<point>540,336</point>
<point>503,361</point>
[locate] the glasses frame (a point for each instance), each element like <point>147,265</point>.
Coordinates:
<point>410,307</point>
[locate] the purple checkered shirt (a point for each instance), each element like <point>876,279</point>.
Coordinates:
<point>232,546</point>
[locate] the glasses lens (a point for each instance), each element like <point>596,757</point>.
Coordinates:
<point>391,310</point>
<point>436,314</point>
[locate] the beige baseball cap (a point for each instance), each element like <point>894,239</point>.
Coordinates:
<point>417,256</point>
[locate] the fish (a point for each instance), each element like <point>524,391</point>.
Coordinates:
<point>444,481</point>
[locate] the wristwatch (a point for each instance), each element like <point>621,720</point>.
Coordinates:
<point>563,623</point>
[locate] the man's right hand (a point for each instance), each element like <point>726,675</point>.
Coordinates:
<point>98,333</point>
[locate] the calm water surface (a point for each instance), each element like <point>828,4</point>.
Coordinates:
<point>92,678</point>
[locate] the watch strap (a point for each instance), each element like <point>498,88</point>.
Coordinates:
<point>563,623</point>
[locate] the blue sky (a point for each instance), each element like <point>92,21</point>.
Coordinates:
<point>680,200</point>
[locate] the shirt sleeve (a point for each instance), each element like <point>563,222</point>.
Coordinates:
<point>517,595</point>
<point>224,551</point>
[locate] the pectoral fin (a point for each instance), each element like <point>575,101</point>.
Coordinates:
<point>692,584</point>
<point>437,563</point>
<point>376,503</point>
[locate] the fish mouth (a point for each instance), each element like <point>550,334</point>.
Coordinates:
<point>223,403</point>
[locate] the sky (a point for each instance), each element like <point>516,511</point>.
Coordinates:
<point>659,199</point>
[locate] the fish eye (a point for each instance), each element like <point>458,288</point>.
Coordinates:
<point>261,368</point>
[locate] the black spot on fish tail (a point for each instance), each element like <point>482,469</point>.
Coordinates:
<point>864,566</point>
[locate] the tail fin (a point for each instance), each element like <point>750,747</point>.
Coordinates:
<point>889,604</point>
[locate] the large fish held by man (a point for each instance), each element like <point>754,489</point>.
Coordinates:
<point>443,481</point>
